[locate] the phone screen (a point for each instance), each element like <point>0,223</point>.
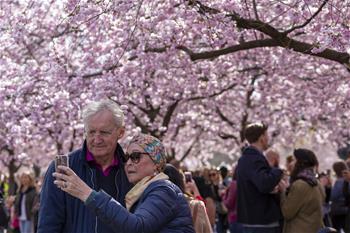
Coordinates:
<point>188,177</point>
<point>61,160</point>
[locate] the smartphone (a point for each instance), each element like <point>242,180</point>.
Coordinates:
<point>188,177</point>
<point>61,160</point>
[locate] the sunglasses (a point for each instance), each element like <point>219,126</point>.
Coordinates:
<point>212,174</point>
<point>134,157</point>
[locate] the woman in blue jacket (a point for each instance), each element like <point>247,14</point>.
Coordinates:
<point>154,204</point>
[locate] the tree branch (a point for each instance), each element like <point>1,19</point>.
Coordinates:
<point>255,10</point>
<point>203,9</point>
<point>231,49</point>
<point>177,130</point>
<point>223,117</point>
<point>139,123</point>
<point>286,42</point>
<point>307,21</point>
<point>277,39</point>
<point>169,113</point>
<point>191,146</point>
<point>212,95</point>
<point>139,107</point>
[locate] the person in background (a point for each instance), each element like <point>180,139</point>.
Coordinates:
<point>3,213</point>
<point>302,204</point>
<point>154,204</point>
<point>25,201</point>
<point>230,201</point>
<point>326,182</point>
<point>207,194</point>
<point>217,188</point>
<point>339,208</point>
<point>226,180</point>
<point>258,207</point>
<point>2,183</point>
<point>346,193</point>
<point>199,214</point>
<point>99,163</point>
<point>13,226</point>
<point>175,163</point>
<point>36,204</point>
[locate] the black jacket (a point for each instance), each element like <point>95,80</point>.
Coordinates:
<point>255,181</point>
<point>29,202</point>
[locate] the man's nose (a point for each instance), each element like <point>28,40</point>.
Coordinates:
<point>98,137</point>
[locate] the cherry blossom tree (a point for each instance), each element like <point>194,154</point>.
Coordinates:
<point>190,72</point>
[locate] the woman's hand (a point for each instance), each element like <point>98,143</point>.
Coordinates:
<point>69,182</point>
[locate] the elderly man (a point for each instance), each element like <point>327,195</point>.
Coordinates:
<point>99,163</point>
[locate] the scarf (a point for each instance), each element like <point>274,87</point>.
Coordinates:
<point>308,176</point>
<point>135,193</point>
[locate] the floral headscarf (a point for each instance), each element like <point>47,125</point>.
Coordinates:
<point>153,147</point>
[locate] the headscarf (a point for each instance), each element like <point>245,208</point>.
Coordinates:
<point>153,147</point>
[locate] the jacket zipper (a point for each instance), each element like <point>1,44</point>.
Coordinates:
<point>115,182</point>
<point>93,187</point>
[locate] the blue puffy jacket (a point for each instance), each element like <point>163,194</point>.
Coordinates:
<point>61,212</point>
<point>161,208</point>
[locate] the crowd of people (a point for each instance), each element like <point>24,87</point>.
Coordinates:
<point>20,210</point>
<point>106,188</point>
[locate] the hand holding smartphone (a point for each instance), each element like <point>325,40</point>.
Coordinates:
<point>188,177</point>
<point>61,160</point>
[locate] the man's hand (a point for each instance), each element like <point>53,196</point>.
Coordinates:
<point>275,190</point>
<point>283,185</point>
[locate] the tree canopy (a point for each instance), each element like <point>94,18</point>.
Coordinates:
<point>191,72</point>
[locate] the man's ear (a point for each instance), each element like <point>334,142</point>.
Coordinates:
<point>121,132</point>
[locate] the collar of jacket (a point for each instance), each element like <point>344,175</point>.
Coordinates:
<point>119,151</point>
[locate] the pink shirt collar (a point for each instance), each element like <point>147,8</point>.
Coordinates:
<point>90,158</point>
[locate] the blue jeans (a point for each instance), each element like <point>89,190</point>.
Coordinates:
<point>261,230</point>
<point>26,226</point>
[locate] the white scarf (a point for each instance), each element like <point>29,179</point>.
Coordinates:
<point>135,193</point>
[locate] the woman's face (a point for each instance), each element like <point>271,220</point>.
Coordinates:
<point>291,165</point>
<point>139,164</point>
<point>25,179</point>
<point>213,176</point>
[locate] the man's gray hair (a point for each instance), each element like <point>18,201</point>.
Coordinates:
<point>102,105</point>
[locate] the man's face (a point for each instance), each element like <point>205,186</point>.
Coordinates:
<point>102,135</point>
